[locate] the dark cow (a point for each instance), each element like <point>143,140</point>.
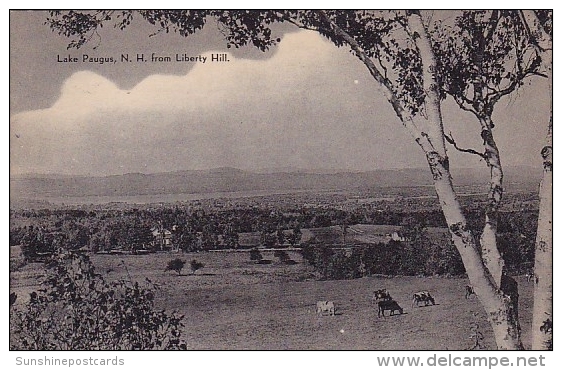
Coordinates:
<point>469,290</point>
<point>389,305</point>
<point>424,297</point>
<point>381,295</point>
<point>325,306</point>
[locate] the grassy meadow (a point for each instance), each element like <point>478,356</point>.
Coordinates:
<point>235,304</point>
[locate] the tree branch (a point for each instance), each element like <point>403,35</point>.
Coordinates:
<point>384,83</point>
<point>498,94</point>
<point>492,25</point>
<point>525,24</point>
<point>539,40</point>
<point>294,23</point>
<point>462,101</point>
<point>452,141</point>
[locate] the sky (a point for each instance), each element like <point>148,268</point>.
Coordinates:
<point>304,104</point>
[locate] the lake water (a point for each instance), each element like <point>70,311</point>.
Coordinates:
<point>161,198</point>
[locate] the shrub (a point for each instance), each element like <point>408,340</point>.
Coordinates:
<point>195,265</point>
<point>176,265</point>
<point>78,310</point>
<point>255,255</point>
<point>282,255</point>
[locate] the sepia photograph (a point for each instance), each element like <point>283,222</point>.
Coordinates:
<point>302,180</point>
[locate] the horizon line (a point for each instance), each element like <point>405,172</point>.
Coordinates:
<point>266,170</point>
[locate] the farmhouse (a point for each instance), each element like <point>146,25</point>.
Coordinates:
<point>162,238</point>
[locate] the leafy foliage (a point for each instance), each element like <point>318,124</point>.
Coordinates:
<point>230,236</point>
<point>239,27</point>
<point>391,259</point>
<point>255,255</point>
<point>195,265</point>
<point>176,265</point>
<point>184,238</point>
<point>482,57</point>
<point>295,237</point>
<point>546,328</point>
<point>78,310</point>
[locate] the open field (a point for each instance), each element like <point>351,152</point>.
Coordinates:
<point>234,304</point>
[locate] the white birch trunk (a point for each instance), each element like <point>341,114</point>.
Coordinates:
<point>488,240</point>
<point>542,305</point>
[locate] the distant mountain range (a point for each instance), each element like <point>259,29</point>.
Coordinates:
<point>228,179</point>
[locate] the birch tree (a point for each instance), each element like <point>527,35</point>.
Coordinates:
<point>539,28</point>
<point>487,56</point>
<point>484,57</point>
<point>396,49</point>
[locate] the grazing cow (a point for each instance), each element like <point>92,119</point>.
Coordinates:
<point>381,295</point>
<point>389,305</point>
<point>325,306</point>
<point>469,290</point>
<point>424,297</point>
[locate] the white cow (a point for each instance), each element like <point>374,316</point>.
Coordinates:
<point>325,306</point>
<point>381,295</point>
<point>423,297</point>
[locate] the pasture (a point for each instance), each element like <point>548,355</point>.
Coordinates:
<point>235,304</point>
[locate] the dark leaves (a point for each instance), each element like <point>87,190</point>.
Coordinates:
<point>483,56</point>
<point>78,310</point>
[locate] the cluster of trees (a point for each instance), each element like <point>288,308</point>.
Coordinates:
<point>177,264</point>
<point>242,219</point>
<point>131,230</point>
<point>389,259</point>
<point>269,237</point>
<point>419,255</point>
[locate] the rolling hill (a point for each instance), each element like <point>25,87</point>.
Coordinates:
<point>235,180</point>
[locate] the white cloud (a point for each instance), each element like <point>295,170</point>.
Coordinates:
<point>296,108</point>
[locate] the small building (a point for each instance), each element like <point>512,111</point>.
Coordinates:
<point>162,238</point>
<point>395,236</point>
